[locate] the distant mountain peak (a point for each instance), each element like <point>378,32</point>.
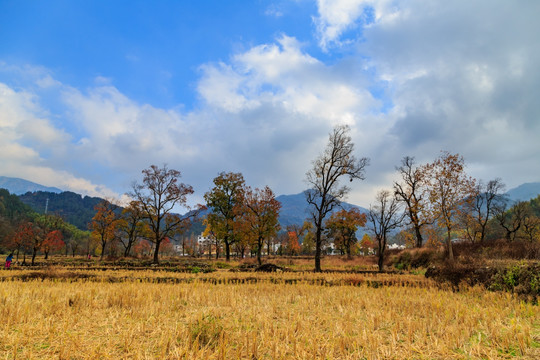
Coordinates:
<point>19,186</point>
<point>295,209</point>
<point>524,192</point>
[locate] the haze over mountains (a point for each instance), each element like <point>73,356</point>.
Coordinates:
<point>20,186</point>
<point>524,192</point>
<point>79,210</point>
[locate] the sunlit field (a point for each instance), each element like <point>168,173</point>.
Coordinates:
<point>121,314</point>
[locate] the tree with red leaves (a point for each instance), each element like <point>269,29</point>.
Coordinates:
<point>22,238</point>
<point>53,242</point>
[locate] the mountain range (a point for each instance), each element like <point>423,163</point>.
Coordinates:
<point>294,209</point>
<point>79,210</point>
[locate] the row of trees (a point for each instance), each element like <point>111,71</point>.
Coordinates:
<point>432,202</point>
<point>240,215</point>
<point>438,200</point>
<point>45,233</point>
<point>148,221</point>
<point>25,232</point>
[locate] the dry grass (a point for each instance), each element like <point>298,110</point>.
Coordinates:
<point>69,317</point>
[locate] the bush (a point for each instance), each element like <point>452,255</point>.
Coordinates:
<point>521,279</point>
<point>415,258</point>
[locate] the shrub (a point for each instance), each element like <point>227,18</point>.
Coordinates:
<point>415,258</point>
<point>521,279</point>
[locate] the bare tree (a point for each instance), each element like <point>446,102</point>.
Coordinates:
<point>158,195</point>
<point>511,220</point>
<point>131,225</point>
<point>383,217</point>
<point>487,197</point>
<point>325,192</point>
<point>411,191</point>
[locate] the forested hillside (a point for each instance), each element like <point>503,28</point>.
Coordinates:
<point>72,207</point>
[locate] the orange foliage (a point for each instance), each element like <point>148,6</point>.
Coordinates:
<point>293,247</point>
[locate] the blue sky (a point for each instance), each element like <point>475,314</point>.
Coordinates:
<point>150,49</point>
<point>92,92</point>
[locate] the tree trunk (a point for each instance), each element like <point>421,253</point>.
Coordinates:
<point>156,253</point>
<point>482,233</point>
<point>103,245</point>
<point>380,253</point>
<point>34,252</point>
<point>380,260</point>
<point>449,246</point>
<point>348,250</point>
<point>227,251</point>
<point>259,250</point>
<point>318,245</point>
<point>419,239</point>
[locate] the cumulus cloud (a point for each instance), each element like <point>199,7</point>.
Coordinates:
<point>460,76</point>
<point>463,77</point>
<point>283,75</point>
<point>419,77</point>
<point>337,17</point>
<point>31,145</point>
<point>265,114</point>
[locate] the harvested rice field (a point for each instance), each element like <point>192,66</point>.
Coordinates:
<point>76,314</point>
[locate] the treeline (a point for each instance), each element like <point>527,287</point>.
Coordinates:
<point>435,204</point>
<point>439,204</point>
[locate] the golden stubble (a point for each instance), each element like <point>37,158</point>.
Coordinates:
<point>137,318</point>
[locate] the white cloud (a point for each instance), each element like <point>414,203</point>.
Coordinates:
<point>463,76</point>
<point>283,75</point>
<point>28,139</point>
<point>459,76</point>
<point>336,17</point>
